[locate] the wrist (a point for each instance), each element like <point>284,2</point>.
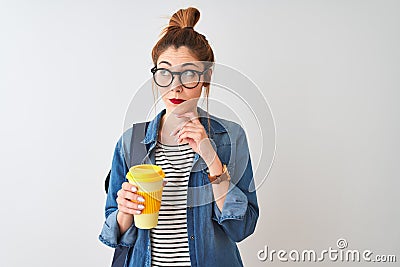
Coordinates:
<point>214,165</point>
<point>124,221</point>
<point>221,177</point>
<point>124,218</point>
<point>207,151</point>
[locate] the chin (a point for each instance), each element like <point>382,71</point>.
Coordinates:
<point>187,106</point>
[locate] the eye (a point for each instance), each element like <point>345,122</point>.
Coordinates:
<point>188,73</point>
<point>164,72</point>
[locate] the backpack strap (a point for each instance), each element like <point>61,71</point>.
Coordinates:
<point>138,150</point>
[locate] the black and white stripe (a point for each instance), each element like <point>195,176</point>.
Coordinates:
<point>169,239</point>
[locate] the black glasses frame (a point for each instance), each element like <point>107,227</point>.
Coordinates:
<point>173,73</point>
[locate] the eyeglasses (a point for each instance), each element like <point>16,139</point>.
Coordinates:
<point>188,78</point>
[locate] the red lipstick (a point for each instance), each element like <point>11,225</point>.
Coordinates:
<point>176,101</point>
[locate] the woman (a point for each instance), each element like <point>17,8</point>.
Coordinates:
<point>208,203</point>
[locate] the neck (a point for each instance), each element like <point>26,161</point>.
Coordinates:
<point>171,113</point>
<point>169,122</point>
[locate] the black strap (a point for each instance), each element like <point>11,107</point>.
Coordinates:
<point>138,150</point>
<point>107,181</point>
<point>120,255</point>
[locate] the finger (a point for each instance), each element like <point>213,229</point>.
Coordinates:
<point>190,115</point>
<point>182,125</point>
<point>190,135</point>
<point>129,203</point>
<point>191,125</point>
<point>129,211</point>
<point>189,129</point>
<point>178,128</point>
<point>175,131</point>
<point>129,196</point>
<point>127,192</point>
<point>128,187</point>
<point>165,182</point>
<point>187,140</point>
<point>192,118</point>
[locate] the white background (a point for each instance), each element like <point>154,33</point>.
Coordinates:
<point>329,69</point>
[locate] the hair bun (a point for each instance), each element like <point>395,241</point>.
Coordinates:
<point>185,18</point>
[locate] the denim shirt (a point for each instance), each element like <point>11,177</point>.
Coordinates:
<point>212,233</point>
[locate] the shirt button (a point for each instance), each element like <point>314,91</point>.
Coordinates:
<point>192,237</point>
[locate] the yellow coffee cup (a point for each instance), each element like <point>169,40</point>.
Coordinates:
<point>148,179</point>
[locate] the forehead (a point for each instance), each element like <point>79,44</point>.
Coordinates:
<point>176,56</point>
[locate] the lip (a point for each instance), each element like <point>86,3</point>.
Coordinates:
<point>176,101</point>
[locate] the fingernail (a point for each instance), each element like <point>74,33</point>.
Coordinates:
<point>138,211</point>
<point>140,206</point>
<point>134,189</point>
<point>140,199</point>
<point>171,133</point>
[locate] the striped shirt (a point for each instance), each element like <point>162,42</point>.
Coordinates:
<point>169,239</point>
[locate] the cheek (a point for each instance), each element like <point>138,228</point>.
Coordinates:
<point>163,92</point>
<point>195,93</point>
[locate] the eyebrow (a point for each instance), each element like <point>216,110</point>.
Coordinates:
<point>183,65</point>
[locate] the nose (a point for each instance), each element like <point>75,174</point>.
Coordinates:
<point>176,85</point>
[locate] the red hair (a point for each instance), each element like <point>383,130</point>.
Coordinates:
<point>180,32</point>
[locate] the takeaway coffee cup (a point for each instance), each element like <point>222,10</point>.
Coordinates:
<point>149,181</point>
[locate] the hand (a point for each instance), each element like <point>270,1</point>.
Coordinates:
<point>194,133</point>
<point>128,201</point>
<point>125,197</point>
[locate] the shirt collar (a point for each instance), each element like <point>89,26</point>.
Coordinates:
<point>216,125</point>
